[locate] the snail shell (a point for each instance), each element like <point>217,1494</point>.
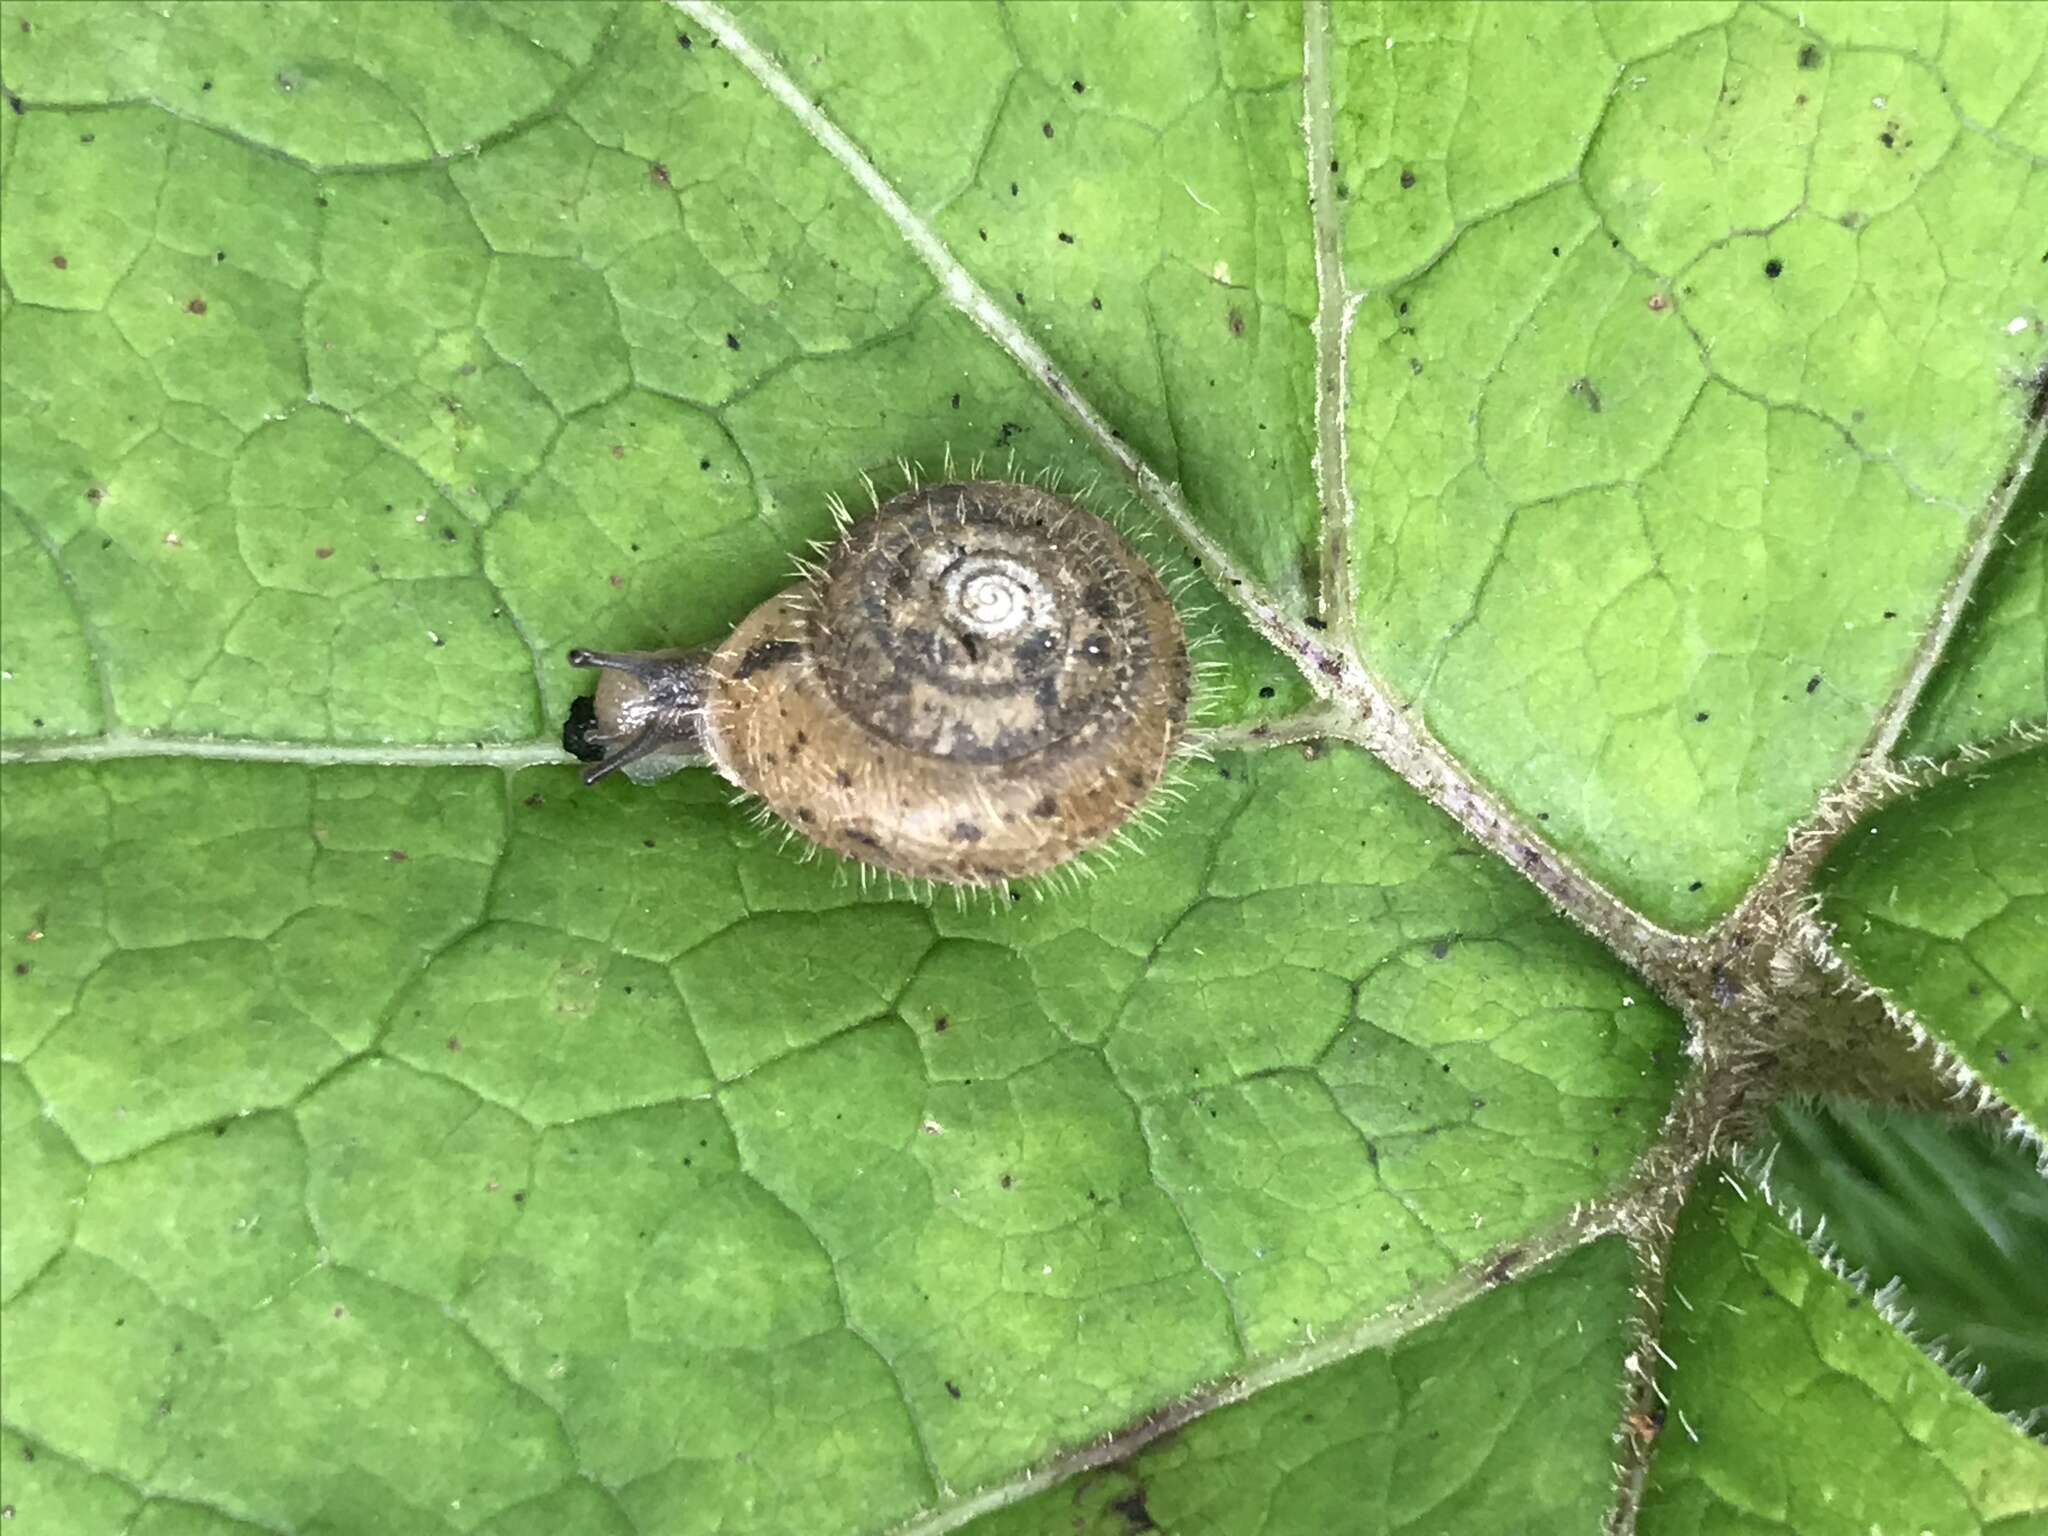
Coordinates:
<point>982,682</point>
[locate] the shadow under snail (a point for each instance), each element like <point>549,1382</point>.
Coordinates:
<point>981,682</point>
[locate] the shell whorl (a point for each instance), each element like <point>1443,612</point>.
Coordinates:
<point>982,682</point>
<point>988,622</point>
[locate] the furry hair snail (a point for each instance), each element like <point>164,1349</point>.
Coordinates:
<point>982,681</point>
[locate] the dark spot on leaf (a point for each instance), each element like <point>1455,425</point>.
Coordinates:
<point>1701,717</point>
<point>732,342</point>
<point>1587,391</point>
<point>659,173</point>
<point>1696,885</point>
<point>1065,238</point>
<point>1078,86</point>
<point>1440,948</point>
<point>519,1197</point>
<point>1019,296</point>
<point>941,1024</point>
<point>1236,321</point>
<point>454,1043</point>
<point>1809,56</point>
<point>1046,128</point>
<point>683,41</point>
<point>14,102</point>
<point>21,967</point>
<point>1095,303</point>
<point>956,402</point>
<point>1266,692</point>
<point>952,1391</point>
<point>1886,139</point>
<point>1007,1181</point>
<point>1315,623</point>
<point>1407,179</point>
<point>1136,1516</point>
<point>398,855</point>
<point>60,263</point>
<point>1813,682</point>
<point>703,464</point>
<point>1013,189</point>
<point>324,552</point>
<point>1773,267</point>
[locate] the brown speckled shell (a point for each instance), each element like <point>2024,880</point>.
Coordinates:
<point>985,681</point>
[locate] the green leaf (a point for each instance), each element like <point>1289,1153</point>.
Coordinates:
<point>1995,676</point>
<point>1617,399</point>
<point>1957,1218</point>
<point>1426,1435</point>
<point>908,1168</point>
<point>1795,1405</point>
<point>1941,901</point>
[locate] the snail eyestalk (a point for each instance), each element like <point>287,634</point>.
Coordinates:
<point>647,716</point>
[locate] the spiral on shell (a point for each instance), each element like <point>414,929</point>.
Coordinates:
<point>983,681</point>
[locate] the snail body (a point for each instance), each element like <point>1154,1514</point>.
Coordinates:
<point>982,682</point>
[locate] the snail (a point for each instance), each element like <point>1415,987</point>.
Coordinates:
<point>981,682</point>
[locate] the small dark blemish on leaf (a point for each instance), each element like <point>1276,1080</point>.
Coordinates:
<point>1315,623</point>
<point>1007,1181</point>
<point>1697,885</point>
<point>1266,692</point>
<point>704,464</point>
<point>61,263</point>
<point>95,494</point>
<point>952,1391</point>
<point>1136,1516</point>
<point>324,552</point>
<point>1095,303</point>
<point>1235,320</point>
<point>398,855</point>
<point>1809,56</point>
<point>1773,268</point>
<point>683,41</point>
<point>206,85</point>
<point>941,1024</point>
<point>1046,128</point>
<point>1019,296</point>
<point>1013,189</point>
<point>1891,613</point>
<point>1659,302</point>
<point>1407,179</point>
<point>1701,717</point>
<point>21,967</point>
<point>659,173</point>
<point>519,1197</point>
<point>196,307</point>
<point>454,1042</point>
<point>1441,948</point>
<point>1079,87</point>
<point>1886,139</point>
<point>1813,683</point>
<point>732,342</point>
<point>14,103</point>
<point>1065,238</point>
<point>1585,389</point>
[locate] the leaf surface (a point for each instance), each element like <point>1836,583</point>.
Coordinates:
<point>584,1162</point>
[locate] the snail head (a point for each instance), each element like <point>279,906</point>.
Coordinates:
<point>647,715</point>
